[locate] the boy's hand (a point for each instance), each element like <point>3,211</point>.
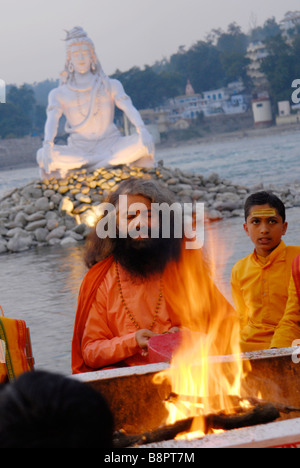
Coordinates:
<point>142,337</point>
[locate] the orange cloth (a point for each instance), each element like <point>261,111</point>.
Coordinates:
<point>13,344</point>
<point>99,313</point>
<point>288,328</point>
<point>109,335</point>
<point>296,275</point>
<point>260,291</point>
<point>87,293</point>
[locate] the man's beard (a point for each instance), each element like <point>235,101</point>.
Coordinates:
<point>146,257</point>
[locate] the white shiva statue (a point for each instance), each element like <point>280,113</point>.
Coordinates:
<point>87,98</point>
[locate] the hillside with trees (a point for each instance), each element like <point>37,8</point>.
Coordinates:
<point>209,64</point>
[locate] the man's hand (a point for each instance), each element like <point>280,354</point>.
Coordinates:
<point>142,337</point>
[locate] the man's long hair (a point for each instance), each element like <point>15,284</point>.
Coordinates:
<point>97,248</point>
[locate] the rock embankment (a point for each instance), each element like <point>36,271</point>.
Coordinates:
<point>50,212</point>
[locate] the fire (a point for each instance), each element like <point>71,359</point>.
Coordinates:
<point>206,370</point>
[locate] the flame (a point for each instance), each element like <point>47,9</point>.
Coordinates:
<point>206,370</point>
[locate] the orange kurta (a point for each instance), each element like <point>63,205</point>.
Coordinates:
<point>260,293</point>
<point>109,335</point>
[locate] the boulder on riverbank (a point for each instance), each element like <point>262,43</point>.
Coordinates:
<point>50,212</point>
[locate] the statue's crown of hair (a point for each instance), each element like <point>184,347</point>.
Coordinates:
<point>76,33</point>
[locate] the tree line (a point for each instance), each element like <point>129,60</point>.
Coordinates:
<point>208,64</point>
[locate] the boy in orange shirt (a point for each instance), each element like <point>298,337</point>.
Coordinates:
<point>260,282</point>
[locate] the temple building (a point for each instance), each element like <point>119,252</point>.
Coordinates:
<point>191,105</point>
<point>256,52</point>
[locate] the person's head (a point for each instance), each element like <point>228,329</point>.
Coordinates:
<point>139,243</point>
<point>265,221</point>
<point>42,409</point>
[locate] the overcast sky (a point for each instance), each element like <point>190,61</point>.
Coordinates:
<point>126,33</point>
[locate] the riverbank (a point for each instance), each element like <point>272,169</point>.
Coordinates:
<point>244,134</point>
<point>21,153</point>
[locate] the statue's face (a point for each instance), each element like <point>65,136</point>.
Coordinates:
<point>81,58</point>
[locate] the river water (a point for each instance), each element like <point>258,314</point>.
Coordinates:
<point>41,286</point>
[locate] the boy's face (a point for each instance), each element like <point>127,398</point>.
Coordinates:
<point>265,228</point>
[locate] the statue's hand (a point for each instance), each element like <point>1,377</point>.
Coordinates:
<point>146,139</point>
<point>47,156</point>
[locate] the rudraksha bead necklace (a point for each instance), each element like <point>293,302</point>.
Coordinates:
<point>132,318</point>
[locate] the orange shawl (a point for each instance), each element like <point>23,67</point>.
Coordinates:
<point>87,294</point>
<point>188,306</point>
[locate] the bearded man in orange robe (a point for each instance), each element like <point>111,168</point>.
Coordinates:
<point>140,285</point>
